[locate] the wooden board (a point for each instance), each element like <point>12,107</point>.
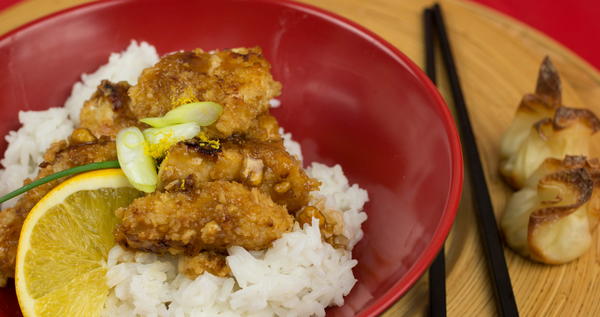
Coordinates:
<point>498,60</point>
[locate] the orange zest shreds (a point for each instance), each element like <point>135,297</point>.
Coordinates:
<point>215,144</point>
<point>188,96</point>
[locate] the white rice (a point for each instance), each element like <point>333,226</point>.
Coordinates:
<point>274,103</point>
<point>341,196</point>
<point>27,145</point>
<point>124,66</point>
<point>300,275</point>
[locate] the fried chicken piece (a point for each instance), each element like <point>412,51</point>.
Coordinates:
<point>331,223</point>
<point>212,217</point>
<point>11,221</point>
<point>207,261</point>
<point>264,128</point>
<point>267,166</point>
<point>238,79</point>
<point>108,110</point>
<point>81,148</point>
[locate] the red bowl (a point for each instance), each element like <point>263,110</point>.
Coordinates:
<point>349,97</point>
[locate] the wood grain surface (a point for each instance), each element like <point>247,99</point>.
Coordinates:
<point>498,59</point>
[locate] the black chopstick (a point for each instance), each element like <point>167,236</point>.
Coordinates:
<point>505,298</point>
<point>437,270</point>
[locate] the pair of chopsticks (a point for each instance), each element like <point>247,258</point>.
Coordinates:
<point>488,228</point>
<point>437,270</point>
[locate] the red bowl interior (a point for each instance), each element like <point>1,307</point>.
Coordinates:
<point>349,98</point>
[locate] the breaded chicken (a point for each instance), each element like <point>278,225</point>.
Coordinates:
<point>206,261</point>
<point>264,128</point>
<point>211,217</point>
<point>11,221</point>
<point>82,148</point>
<point>331,223</point>
<point>108,111</point>
<point>266,166</point>
<point>238,79</point>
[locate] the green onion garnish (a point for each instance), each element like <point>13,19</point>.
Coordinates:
<point>132,148</point>
<point>67,172</point>
<point>159,140</point>
<point>135,161</point>
<point>203,113</point>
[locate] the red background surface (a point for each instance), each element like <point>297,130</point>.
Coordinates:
<point>7,3</point>
<point>574,23</point>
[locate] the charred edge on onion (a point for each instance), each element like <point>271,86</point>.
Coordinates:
<point>578,181</point>
<point>532,103</point>
<point>566,115</point>
<point>548,85</point>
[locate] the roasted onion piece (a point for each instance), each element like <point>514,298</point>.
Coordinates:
<point>552,218</point>
<point>542,128</point>
<point>568,133</point>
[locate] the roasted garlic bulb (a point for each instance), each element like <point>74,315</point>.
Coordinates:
<point>552,218</point>
<point>542,128</point>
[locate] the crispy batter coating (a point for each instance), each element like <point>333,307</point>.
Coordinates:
<point>212,217</point>
<point>207,261</point>
<point>108,110</point>
<point>238,79</point>
<point>331,223</point>
<point>82,148</point>
<point>266,166</point>
<point>207,199</point>
<point>11,221</point>
<point>264,128</point>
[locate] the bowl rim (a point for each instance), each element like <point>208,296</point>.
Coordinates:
<point>456,181</point>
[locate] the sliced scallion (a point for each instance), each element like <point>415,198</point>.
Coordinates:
<point>136,163</point>
<point>161,139</point>
<point>55,176</point>
<point>203,113</point>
